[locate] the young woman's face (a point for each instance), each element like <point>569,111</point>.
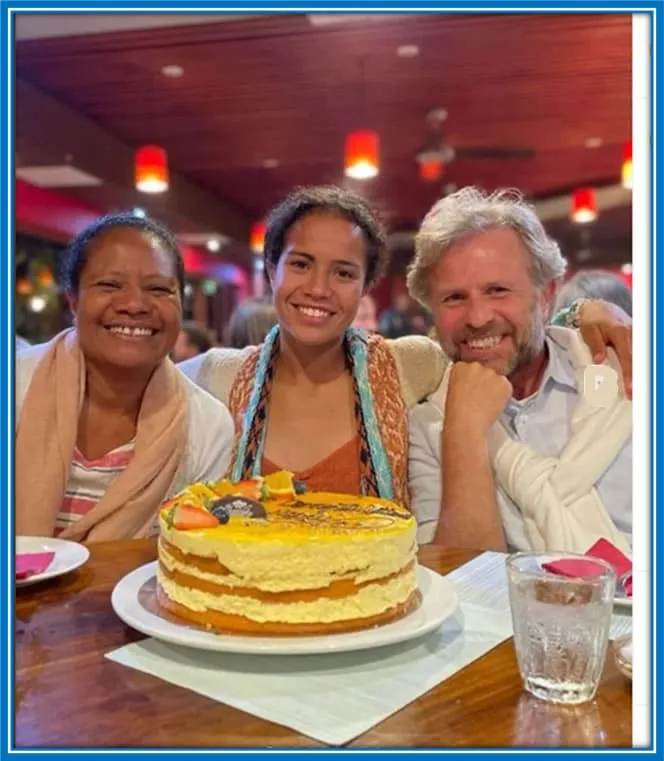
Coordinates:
<point>319,279</point>
<point>128,309</point>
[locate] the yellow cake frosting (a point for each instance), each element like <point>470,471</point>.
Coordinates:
<point>302,563</point>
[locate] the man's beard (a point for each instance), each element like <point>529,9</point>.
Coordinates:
<point>528,347</point>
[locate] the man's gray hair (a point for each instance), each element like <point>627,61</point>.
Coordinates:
<point>470,211</point>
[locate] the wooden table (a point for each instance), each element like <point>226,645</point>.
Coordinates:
<point>69,695</point>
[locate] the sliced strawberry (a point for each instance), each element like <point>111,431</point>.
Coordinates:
<point>186,517</point>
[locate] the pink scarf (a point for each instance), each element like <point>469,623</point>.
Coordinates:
<point>46,437</point>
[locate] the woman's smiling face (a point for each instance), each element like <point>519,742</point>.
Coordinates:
<point>128,309</point>
<point>319,279</point>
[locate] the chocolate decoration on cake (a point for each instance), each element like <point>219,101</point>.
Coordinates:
<point>237,505</point>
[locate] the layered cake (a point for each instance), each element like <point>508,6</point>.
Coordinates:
<point>259,558</point>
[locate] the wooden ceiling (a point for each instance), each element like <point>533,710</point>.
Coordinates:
<point>283,89</point>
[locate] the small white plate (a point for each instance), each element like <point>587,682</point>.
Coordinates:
<point>622,650</point>
<point>439,601</point>
<point>68,556</point>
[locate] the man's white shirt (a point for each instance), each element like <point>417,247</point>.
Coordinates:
<point>543,422</point>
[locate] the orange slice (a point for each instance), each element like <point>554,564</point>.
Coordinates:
<point>280,485</point>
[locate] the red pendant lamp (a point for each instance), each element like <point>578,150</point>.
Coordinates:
<point>626,174</point>
<point>45,277</point>
<point>24,287</point>
<point>257,237</point>
<point>431,169</point>
<point>361,155</point>
<point>151,169</point>
<point>584,206</point>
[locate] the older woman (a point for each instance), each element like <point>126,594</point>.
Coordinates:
<point>319,398</point>
<point>107,427</point>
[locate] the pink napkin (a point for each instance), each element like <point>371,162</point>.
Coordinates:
<point>31,563</point>
<point>602,549</point>
<point>574,567</point>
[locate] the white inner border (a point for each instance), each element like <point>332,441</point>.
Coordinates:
<point>643,325</point>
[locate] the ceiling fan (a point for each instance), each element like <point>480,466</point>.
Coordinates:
<point>436,154</point>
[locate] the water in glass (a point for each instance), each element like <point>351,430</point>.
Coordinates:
<point>561,628</point>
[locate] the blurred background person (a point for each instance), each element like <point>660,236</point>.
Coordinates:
<point>596,284</point>
<point>366,315</point>
<point>250,323</point>
<point>397,321</point>
<point>420,323</point>
<point>193,339</point>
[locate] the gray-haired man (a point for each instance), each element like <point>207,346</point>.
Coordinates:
<point>536,447</point>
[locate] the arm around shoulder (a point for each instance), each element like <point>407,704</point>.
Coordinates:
<point>421,364</point>
<point>215,370</point>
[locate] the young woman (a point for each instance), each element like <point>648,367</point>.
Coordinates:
<point>107,427</point>
<point>319,398</point>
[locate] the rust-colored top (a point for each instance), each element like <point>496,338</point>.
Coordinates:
<point>389,404</point>
<point>341,468</point>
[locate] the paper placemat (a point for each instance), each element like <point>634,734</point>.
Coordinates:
<point>334,698</point>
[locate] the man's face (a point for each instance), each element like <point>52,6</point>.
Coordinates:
<point>485,306</point>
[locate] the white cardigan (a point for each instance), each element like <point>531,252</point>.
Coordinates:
<point>556,497</point>
<point>210,428</point>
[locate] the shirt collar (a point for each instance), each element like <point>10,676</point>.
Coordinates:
<point>559,368</point>
<point>559,371</point>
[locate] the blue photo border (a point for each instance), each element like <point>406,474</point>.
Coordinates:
<point>7,335</point>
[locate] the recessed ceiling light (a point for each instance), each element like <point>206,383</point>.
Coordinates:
<point>173,71</point>
<point>408,51</point>
<point>61,176</point>
<point>213,244</point>
<point>270,163</point>
<point>594,142</point>
<point>626,269</point>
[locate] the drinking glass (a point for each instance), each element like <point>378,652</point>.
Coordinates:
<point>561,624</point>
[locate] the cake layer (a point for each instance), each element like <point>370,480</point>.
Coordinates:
<point>217,586</point>
<point>276,567</point>
<point>370,600</point>
<point>235,624</point>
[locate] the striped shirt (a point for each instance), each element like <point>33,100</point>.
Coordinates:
<point>88,482</point>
